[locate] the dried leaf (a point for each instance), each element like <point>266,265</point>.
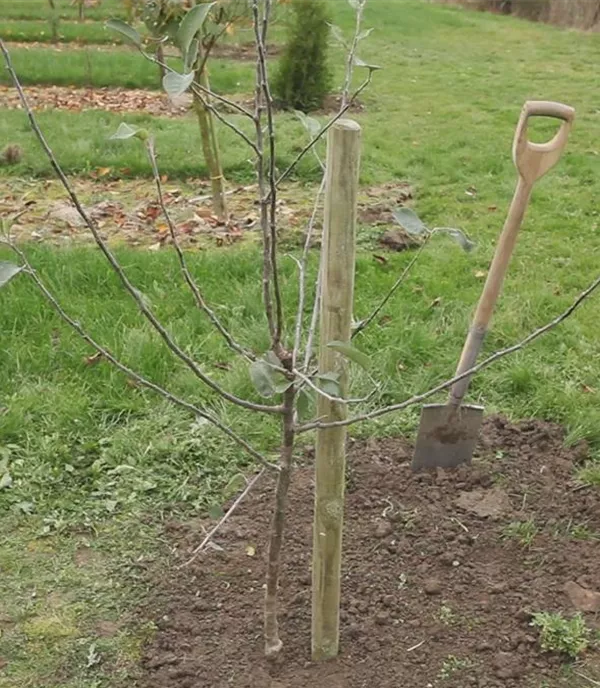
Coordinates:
<point>93,359</point>
<point>250,551</point>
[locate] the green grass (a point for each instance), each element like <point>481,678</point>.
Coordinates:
<point>524,532</point>
<point>81,143</point>
<point>40,9</point>
<point>67,603</point>
<point>120,67</point>
<point>68,32</point>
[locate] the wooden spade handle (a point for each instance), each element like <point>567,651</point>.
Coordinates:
<point>532,160</point>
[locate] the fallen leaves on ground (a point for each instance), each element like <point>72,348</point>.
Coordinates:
<point>126,211</point>
<point>107,99</point>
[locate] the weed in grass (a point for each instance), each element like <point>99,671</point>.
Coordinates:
<point>452,665</point>
<point>590,474</point>
<point>522,531</point>
<point>559,634</point>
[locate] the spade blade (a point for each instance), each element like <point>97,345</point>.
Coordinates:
<point>447,436</point>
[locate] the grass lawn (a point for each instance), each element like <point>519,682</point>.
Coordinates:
<point>91,66</point>
<point>68,31</point>
<point>90,456</point>
<point>39,9</point>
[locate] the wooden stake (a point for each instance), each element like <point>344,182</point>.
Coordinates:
<point>343,155</point>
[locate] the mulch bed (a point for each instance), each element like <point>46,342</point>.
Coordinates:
<point>107,99</point>
<point>434,593</point>
<point>155,103</point>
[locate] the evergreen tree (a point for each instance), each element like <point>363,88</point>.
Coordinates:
<point>304,78</point>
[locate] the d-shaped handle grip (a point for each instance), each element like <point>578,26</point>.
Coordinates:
<point>533,160</point>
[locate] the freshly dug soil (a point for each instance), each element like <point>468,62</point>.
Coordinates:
<point>436,592</point>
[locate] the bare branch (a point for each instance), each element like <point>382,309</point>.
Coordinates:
<point>302,272</point>
<point>260,176</point>
<point>314,319</point>
<point>139,379</point>
<point>231,103</point>
<point>307,381</point>
<point>271,199</point>
<point>475,369</point>
<point>326,128</point>
<point>200,92</point>
<point>215,529</point>
<point>363,324</point>
<point>135,294</point>
<point>352,52</point>
<point>200,302</point>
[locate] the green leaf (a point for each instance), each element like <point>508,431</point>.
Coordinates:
<point>459,236</point>
<point>410,221</point>
<point>191,55</point>
<point>361,63</point>
<point>262,375</point>
<point>312,125</point>
<point>125,30</point>
<point>303,404</point>
<point>351,353</point>
<point>8,271</point>
<point>281,387</point>
<point>176,84</point>
<point>271,358</point>
<point>125,131</point>
<point>191,24</point>
<point>215,511</point>
<point>329,383</point>
<point>236,484</point>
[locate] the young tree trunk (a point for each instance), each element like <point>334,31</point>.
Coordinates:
<point>80,7</point>
<point>160,56</point>
<point>53,21</point>
<point>339,229</point>
<point>273,643</point>
<point>210,147</point>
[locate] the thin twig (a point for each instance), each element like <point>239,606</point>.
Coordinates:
<point>448,383</point>
<point>330,397</point>
<point>416,647</point>
<point>324,130</point>
<point>261,37</point>
<point>314,319</point>
<point>367,321</point>
<point>200,302</point>
<point>116,266</point>
<point>207,91</point>
<point>267,275</point>
<point>302,273</point>
<point>215,529</point>
<point>139,379</point>
<point>587,678</point>
<point>352,52</point>
<point>195,87</point>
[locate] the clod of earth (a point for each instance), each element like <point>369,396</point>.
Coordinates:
<point>582,599</point>
<point>492,503</point>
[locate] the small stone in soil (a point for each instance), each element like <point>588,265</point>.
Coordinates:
<point>432,586</point>
<point>383,529</point>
